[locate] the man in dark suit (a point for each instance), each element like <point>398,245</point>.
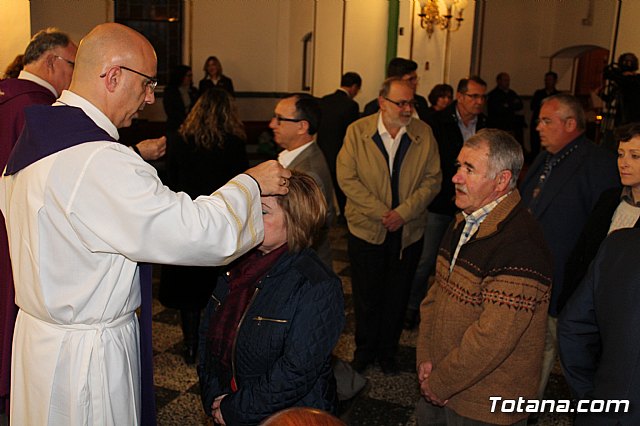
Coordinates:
<point>294,124</point>
<point>451,127</point>
<point>598,336</point>
<point>561,188</point>
<point>406,70</point>
<point>338,111</point>
<point>504,107</point>
<point>550,81</point>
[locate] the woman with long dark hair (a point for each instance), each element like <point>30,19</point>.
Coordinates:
<point>203,155</point>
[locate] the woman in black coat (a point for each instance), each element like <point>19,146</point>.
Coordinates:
<point>206,152</point>
<point>213,77</point>
<point>179,96</point>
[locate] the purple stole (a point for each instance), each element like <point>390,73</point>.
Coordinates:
<point>48,130</point>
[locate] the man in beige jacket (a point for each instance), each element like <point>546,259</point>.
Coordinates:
<point>389,169</point>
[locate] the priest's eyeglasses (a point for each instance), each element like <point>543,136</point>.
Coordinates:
<point>151,82</point>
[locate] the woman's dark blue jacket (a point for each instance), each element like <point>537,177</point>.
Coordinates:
<point>282,354</point>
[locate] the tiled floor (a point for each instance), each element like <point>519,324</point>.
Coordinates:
<point>390,400</point>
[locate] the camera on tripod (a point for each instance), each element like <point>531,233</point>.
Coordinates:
<point>627,62</point>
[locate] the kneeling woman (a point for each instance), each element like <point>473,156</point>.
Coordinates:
<point>274,318</point>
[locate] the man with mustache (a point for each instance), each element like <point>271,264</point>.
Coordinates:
<point>389,169</point>
<point>483,321</point>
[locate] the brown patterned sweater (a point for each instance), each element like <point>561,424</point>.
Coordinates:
<point>483,326</point>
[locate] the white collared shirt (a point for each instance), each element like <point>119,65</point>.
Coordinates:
<point>286,157</point>
<point>26,75</point>
<point>466,130</point>
<point>390,143</point>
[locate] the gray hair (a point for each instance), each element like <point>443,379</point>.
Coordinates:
<point>505,153</point>
<point>386,85</point>
<point>42,42</point>
<point>572,108</point>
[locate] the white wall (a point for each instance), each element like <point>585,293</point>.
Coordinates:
<point>431,52</point>
<point>521,36</point>
<point>365,44</point>
<point>251,39</point>
<point>16,30</point>
<point>259,41</point>
<point>74,17</point>
<point>301,22</point>
<point>629,35</point>
<point>328,47</point>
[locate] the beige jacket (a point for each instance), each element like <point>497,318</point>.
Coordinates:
<point>363,175</point>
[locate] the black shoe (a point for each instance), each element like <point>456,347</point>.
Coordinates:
<point>360,365</point>
<point>190,355</point>
<point>389,367</point>
<point>411,319</point>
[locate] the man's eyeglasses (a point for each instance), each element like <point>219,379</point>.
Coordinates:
<point>280,118</point>
<point>402,104</point>
<point>476,96</point>
<point>73,64</point>
<point>151,82</point>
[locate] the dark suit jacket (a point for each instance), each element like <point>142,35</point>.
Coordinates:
<point>594,232</point>
<point>338,111</point>
<point>598,333</point>
<point>445,128</point>
<point>311,161</point>
<point>422,107</point>
<point>567,198</point>
<point>223,83</point>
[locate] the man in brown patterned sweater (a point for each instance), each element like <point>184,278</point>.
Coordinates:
<point>483,322</point>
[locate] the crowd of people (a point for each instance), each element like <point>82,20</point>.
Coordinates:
<point>498,268</point>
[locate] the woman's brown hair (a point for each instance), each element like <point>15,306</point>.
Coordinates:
<point>305,211</point>
<point>212,118</point>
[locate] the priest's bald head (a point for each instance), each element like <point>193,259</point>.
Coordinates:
<point>115,71</point>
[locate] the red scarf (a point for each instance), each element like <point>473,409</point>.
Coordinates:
<point>242,277</point>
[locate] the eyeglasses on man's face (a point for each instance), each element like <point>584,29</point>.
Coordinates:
<point>278,118</point>
<point>73,64</point>
<point>402,104</point>
<point>476,96</point>
<point>150,84</point>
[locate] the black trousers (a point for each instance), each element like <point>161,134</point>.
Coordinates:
<point>381,282</point>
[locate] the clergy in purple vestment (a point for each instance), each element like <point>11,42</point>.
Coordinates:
<point>48,67</point>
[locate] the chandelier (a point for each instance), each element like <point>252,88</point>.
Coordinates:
<point>446,14</point>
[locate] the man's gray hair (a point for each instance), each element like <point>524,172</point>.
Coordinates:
<point>572,108</point>
<point>42,42</point>
<point>505,153</point>
<point>386,85</point>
